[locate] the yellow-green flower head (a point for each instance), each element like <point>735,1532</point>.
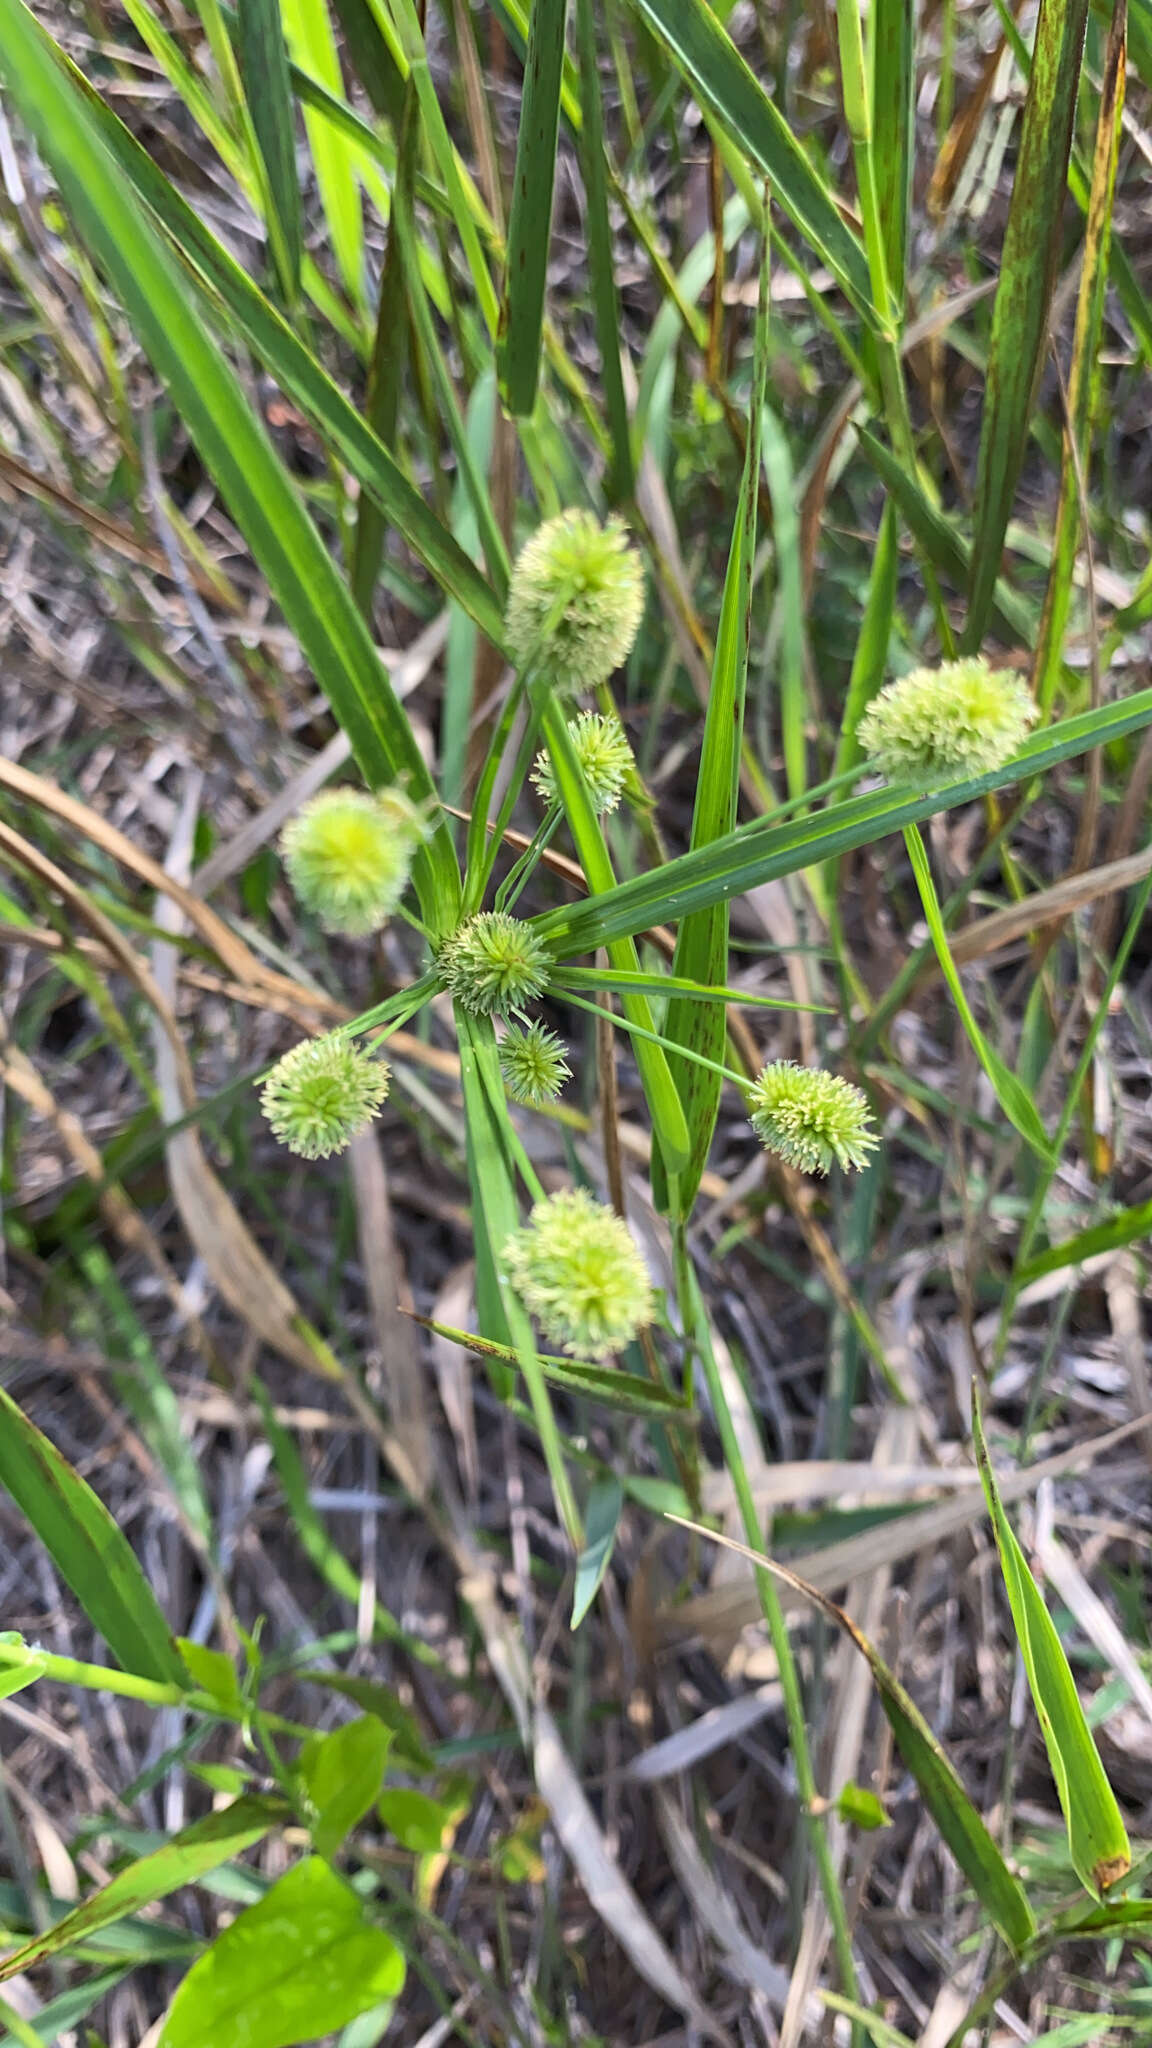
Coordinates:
<point>939,724</point>
<point>577,1269</point>
<point>809,1117</point>
<point>604,754</point>
<point>590,571</point>
<point>495,964</point>
<point>533,1065</point>
<point>349,855</point>
<point>322,1093</point>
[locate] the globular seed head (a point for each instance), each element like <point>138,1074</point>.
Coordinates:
<point>578,1271</point>
<point>533,1065</point>
<point>602,749</point>
<point>596,579</point>
<point>349,854</point>
<point>936,724</point>
<point>809,1117</point>
<point>495,964</point>
<point>322,1093</point>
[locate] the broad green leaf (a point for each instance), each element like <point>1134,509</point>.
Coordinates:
<point>1012,1094</point>
<point>212,1672</point>
<point>89,1551</point>
<point>761,851</point>
<point>378,1699</point>
<point>268,90</point>
<point>231,439</point>
<point>709,59</point>
<point>313,45</point>
<point>1028,265</point>
<point>608,1385</point>
<point>302,1961</point>
<point>601,1521</point>
<point>861,1808</point>
<point>342,1772</point>
<point>185,1859</point>
<point>702,941</point>
<point>418,1821</point>
<point>530,221</point>
<point>1097,1839</point>
<point>941,1788</point>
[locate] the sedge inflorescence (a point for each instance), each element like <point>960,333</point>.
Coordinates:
<point>575,600</point>
<point>322,1093</point>
<point>578,1271</point>
<point>533,1065</point>
<point>935,724</point>
<point>349,854</point>
<point>601,747</point>
<point>809,1117</point>
<point>495,964</point>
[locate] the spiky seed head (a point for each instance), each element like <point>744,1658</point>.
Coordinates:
<point>604,754</point>
<point>495,964</point>
<point>936,724</point>
<point>600,580</point>
<point>577,1269</point>
<point>533,1065</point>
<point>809,1117</point>
<point>322,1093</point>
<point>349,855</point>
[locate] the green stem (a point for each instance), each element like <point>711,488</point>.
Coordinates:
<point>126,1685</point>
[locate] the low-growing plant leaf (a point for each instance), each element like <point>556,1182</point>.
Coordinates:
<point>941,1788</point>
<point>1127,1228</point>
<point>90,1552</point>
<point>187,1857</point>
<point>601,1521</point>
<point>606,1384</point>
<point>418,1821</point>
<point>1097,1838</point>
<point>302,1961</point>
<point>342,1772</point>
<point>378,1699</point>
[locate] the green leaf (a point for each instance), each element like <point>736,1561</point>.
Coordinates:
<point>301,1962</point>
<point>861,1808</point>
<point>601,1521</point>
<point>892,39</point>
<point>1126,1228</point>
<point>1012,1094</point>
<point>620,484</point>
<point>213,1673</point>
<point>341,1773</point>
<point>1097,1839</point>
<point>313,45</point>
<point>268,90</point>
<point>761,851</point>
<point>89,1551</point>
<point>231,439</point>
<point>702,941</point>
<point>608,1385</point>
<point>189,1856</point>
<point>530,221</point>
<point>419,1822</point>
<point>1028,265</point>
<point>709,59</point>
<point>380,1700</point>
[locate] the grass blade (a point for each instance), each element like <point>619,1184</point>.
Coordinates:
<point>620,484</point>
<point>530,222</point>
<point>313,45</point>
<point>1110,1236</point>
<point>1097,1839</point>
<point>186,1858</point>
<point>1024,293</point>
<point>893,77</point>
<point>232,441</point>
<point>88,1549</point>
<point>762,851</point>
<point>941,1788</point>
<point>702,943</point>
<point>268,91</point>
<point>601,1521</point>
<point>605,1384</point>
<point>709,59</point>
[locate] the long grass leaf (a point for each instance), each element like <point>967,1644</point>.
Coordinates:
<point>762,852</point>
<point>313,44</point>
<point>1024,293</point>
<point>89,1551</point>
<point>706,54</point>
<point>264,71</point>
<point>1097,1839</point>
<point>530,221</point>
<point>621,480</point>
<point>892,39</point>
<point>231,439</point>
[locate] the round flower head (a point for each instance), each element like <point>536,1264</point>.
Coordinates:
<point>810,1117</point>
<point>322,1093</point>
<point>603,752</point>
<point>598,579</point>
<point>495,964</point>
<point>533,1065</point>
<point>937,724</point>
<point>349,855</point>
<point>576,1268</point>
